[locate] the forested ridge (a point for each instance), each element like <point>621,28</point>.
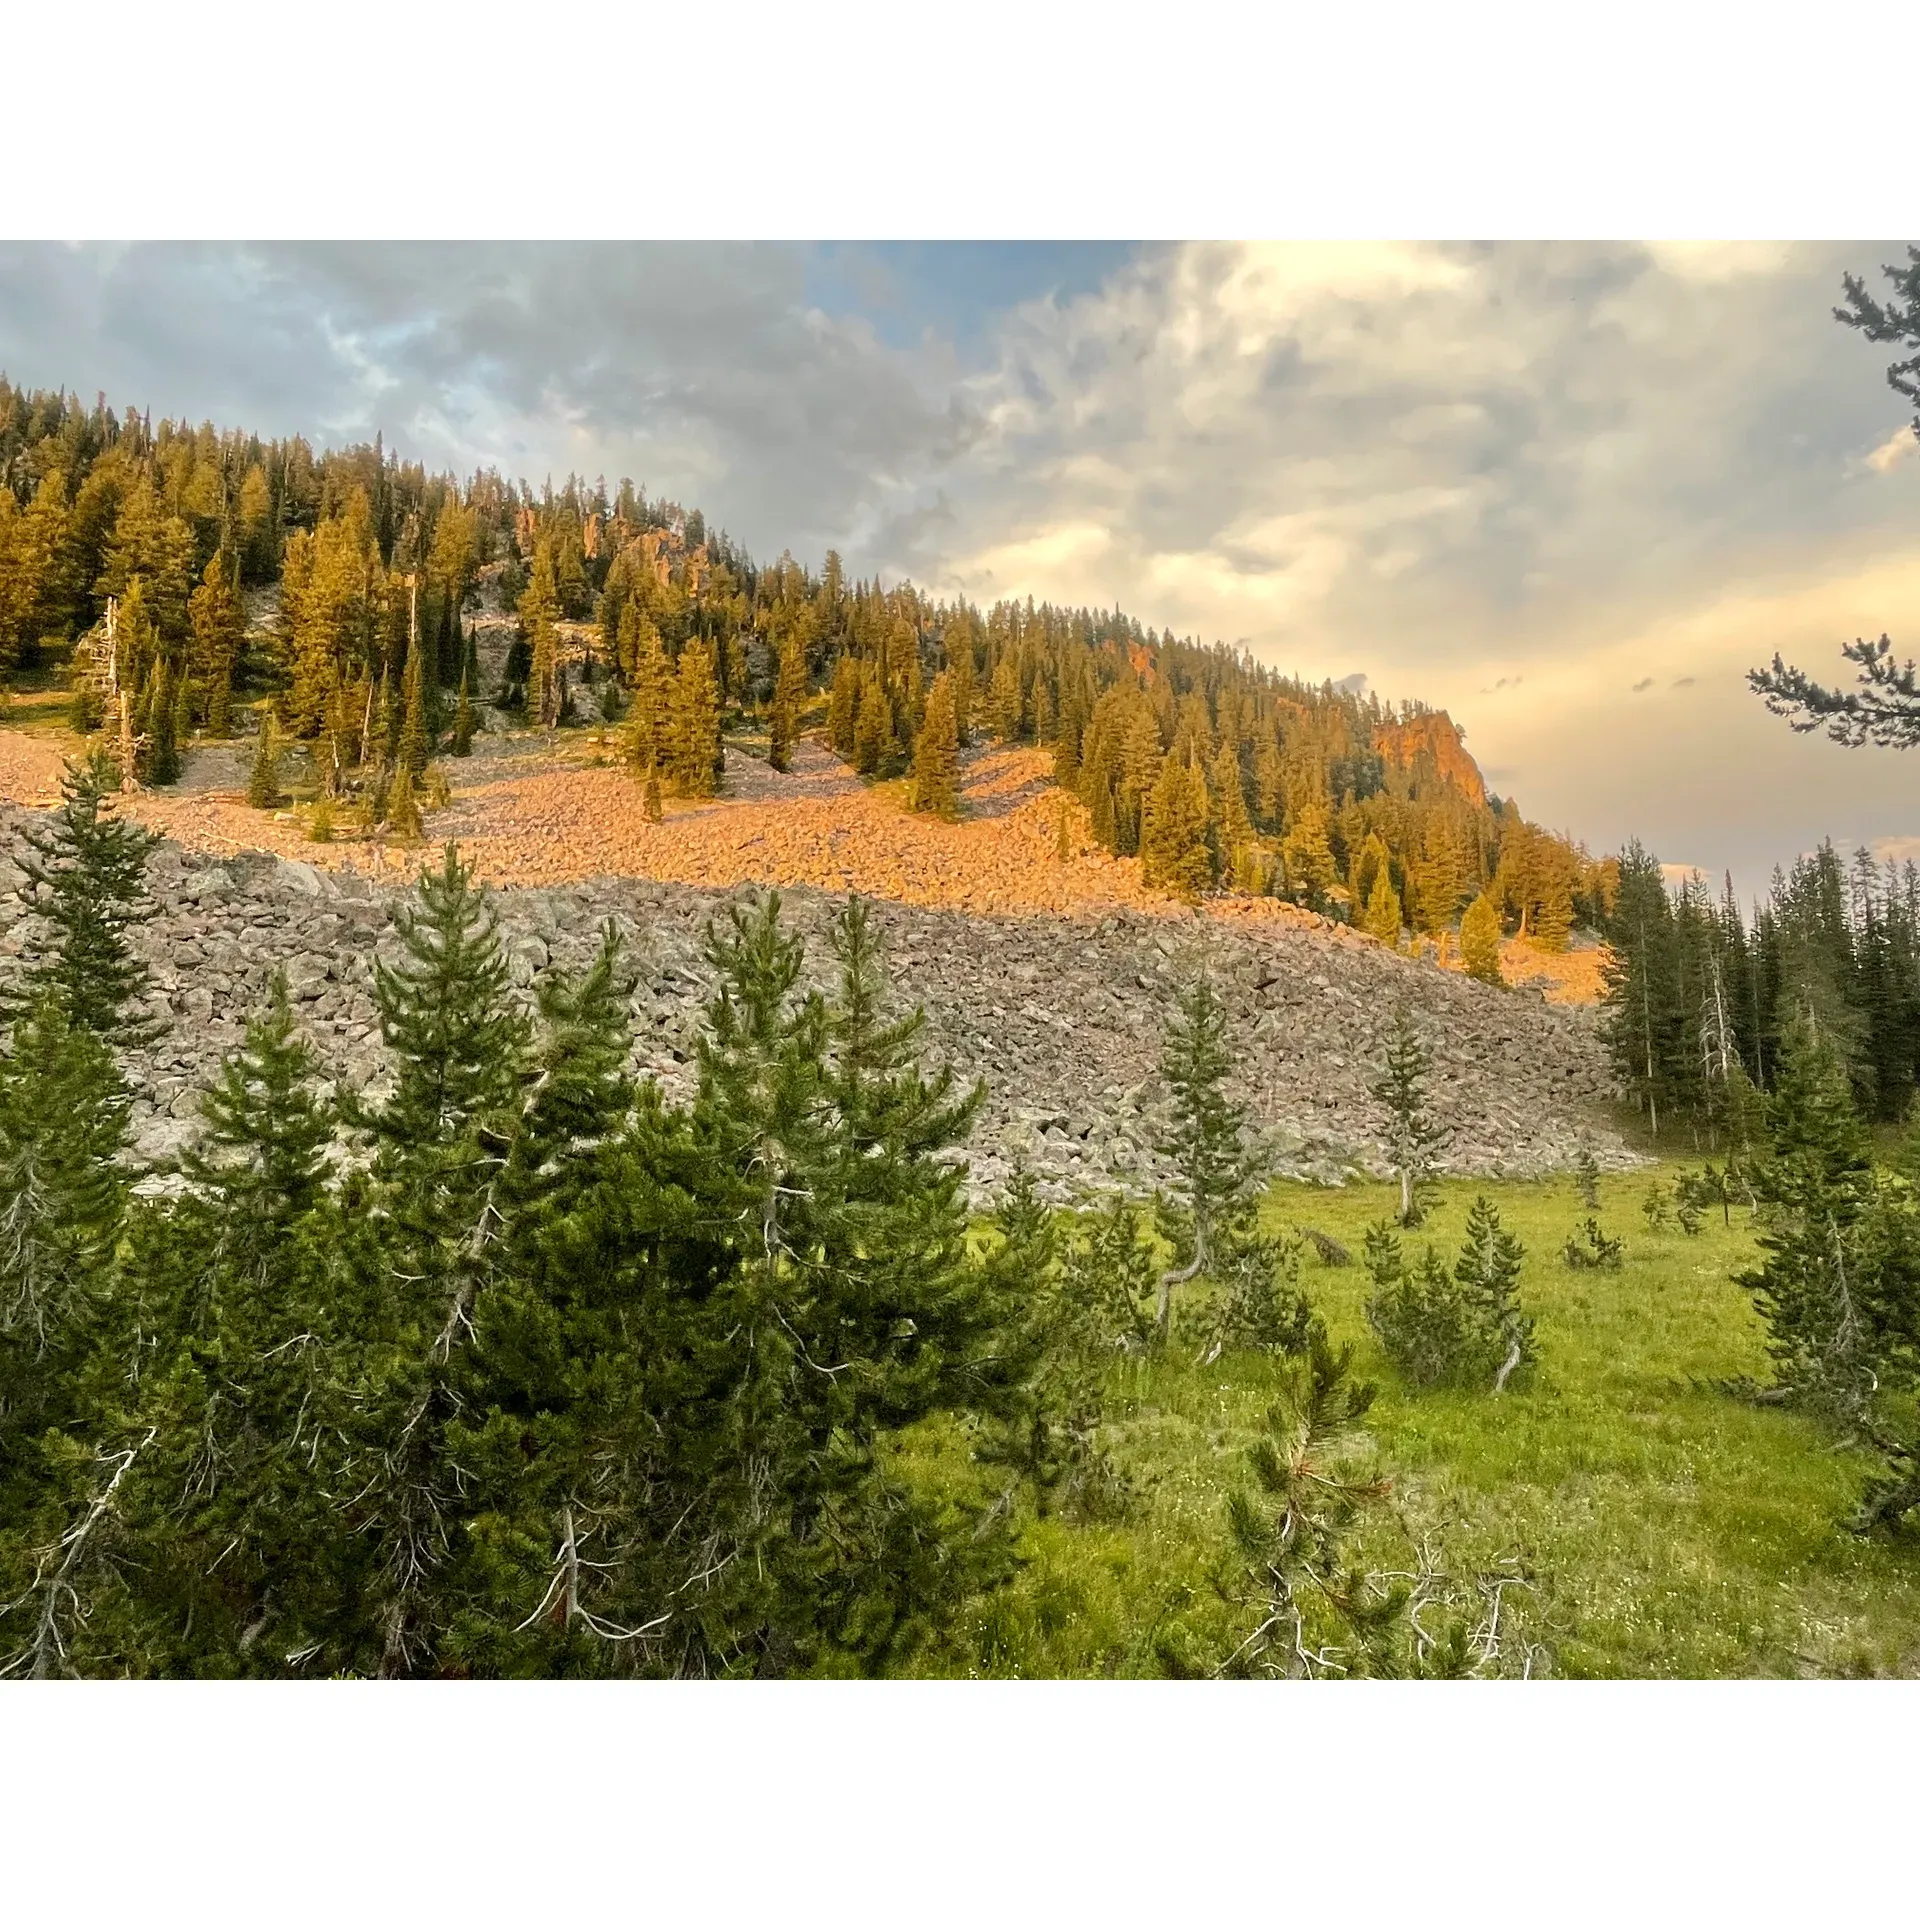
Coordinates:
<point>1216,772</point>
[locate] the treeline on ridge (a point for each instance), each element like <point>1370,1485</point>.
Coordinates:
<point>1216,772</point>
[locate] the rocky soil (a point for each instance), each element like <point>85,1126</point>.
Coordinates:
<point>1059,1012</point>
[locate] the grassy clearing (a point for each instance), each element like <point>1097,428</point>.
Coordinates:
<point>37,700</point>
<point>1668,1528</point>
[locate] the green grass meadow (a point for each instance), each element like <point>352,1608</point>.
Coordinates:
<point>1666,1527</point>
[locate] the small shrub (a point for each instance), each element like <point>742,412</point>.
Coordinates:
<point>1654,1207</point>
<point>1592,1248</point>
<point>320,820</point>
<point>1451,1327</point>
<point>1257,1305</point>
<point>1586,1177</point>
<point>1415,1311</point>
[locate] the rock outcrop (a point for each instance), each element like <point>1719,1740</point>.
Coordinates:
<point>1060,1015</point>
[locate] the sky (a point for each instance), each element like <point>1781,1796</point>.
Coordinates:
<point>1568,491</point>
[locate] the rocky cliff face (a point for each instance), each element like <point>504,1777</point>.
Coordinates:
<point>1402,743</point>
<point>1061,1016</point>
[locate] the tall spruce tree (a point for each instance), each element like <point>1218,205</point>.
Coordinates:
<point>1480,942</point>
<point>1210,1211</point>
<point>89,864</point>
<point>696,724</point>
<point>789,696</point>
<point>936,779</point>
<point>1413,1136</point>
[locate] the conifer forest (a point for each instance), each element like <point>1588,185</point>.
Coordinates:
<point>502,1354</point>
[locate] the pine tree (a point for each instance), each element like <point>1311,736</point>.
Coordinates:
<point>161,766</point>
<point>651,805</point>
<point>1642,1003</point>
<point>960,665</point>
<point>416,742</point>
<point>463,727</point>
<point>1173,838</point>
<point>403,806</point>
<point>1586,1176</point>
<point>218,626</point>
<point>1416,1310</point>
<point>843,703</point>
<point>1383,911</point>
<point>1232,825</point>
<point>1816,1287</point>
<point>696,724</point>
<point>789,696</point>
<point>1308,858</point>
<point>1487,1275</point>
<point>936,785</point>
<point>873,741</point>
<point>263,784</point>
<point>1317,1613</point>
<point>91,864</point>
<point>182,712</point>
<point>539,618</point>
<point>260,1154</point>
<point>1480,942</point>
<point>1209,1213</point>
<point>1413,1137</point>
<point>459,1050</point>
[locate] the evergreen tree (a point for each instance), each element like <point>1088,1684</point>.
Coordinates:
<point>1815,1288</point>
<point>696,724</point>
<point>1308,858</point>
<point>843,702</point>
<point>91,865</point>
<point>218,626</point>
<point>1640,996</point>
<point>463,727</point>
<point>873,740</point>
<point>936,784</point>
<point>1173,838</point>
<point>403,806</point>
<point>162,759</point>
<point>429,1242</point>
<point>1210,1211</point>
<point>416,743</point>
<point>1318,1614</point>
<point>1232,825</point>
<point>1413,1136</point>
<point>1487,1275</point>
<point>263,783</point>
<point>789,697</point>
<point>1480,942</point>
<point>1383,911</point>
<point>539,619</point>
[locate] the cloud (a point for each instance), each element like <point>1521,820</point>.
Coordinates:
<point>1896,846</point>
<point>703,371</point>
<point>1897,446</point>
<point>1685,680</point>
<point>1640,686</point>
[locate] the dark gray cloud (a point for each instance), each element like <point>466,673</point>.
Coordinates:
<point>701,370</point>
